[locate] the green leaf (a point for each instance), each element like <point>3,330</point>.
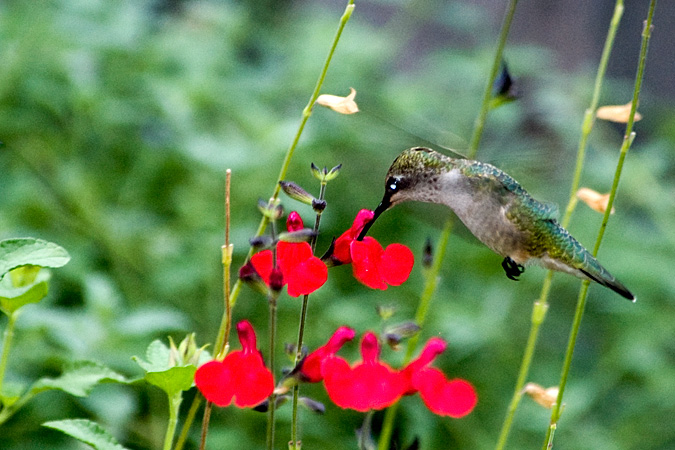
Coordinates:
<point>86,431</point>
<point>174,380</point>
<point>29,251</point>
<point>157,355</point>
<point>161,372</point>
<point>12,299</point>
<point>79,378</point>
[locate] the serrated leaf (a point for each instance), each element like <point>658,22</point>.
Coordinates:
<point>79,378</point>
<point>29,251</point>
<point>157,357</point>
<point>86,431</point>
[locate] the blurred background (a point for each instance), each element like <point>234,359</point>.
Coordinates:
<point>119,120</point>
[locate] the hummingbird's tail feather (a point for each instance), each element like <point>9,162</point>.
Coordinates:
<point>606,279</point>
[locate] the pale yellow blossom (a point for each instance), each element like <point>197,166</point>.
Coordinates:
<point>617,113</point>
<point>343,105</point>
<point>596,201</point>
<point>546,397</point>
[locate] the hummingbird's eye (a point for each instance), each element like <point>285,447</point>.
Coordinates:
<point>395,184</point>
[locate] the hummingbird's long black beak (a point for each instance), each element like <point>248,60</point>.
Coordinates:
<point>382,207</point>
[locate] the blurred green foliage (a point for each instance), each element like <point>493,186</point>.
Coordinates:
<point>120,118</point>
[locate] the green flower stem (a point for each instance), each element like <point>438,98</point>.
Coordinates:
<point>538,315</point>
<point>589,115</point>
<point>581,303</point>
<point>541,305</point>
<point>432,276</point>
<point>8,336</point>
<point>430,285</point>
<point>307,111</point>
<point>293,445</point>
<point>192,413</point>
<point>174,405</point>
<point>479,123</point>
<point>271,363</point>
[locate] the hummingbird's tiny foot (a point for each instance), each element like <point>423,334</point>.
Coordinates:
<point>512,268</point>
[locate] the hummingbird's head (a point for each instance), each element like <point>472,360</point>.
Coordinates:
<point>411,175</point>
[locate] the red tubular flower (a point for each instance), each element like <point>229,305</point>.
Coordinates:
<point>455,398</point>
<point>368,385</point>
<point>241,376</point>
<point>373,265</point>
<point>311,365</point>
<point>301,271</point>
<point>434,347</point>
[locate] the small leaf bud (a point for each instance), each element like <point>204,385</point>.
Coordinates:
<point>295,192</point>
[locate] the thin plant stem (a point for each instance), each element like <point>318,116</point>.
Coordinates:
<point>205,425</point>
<point>174,405</point>
<point>581,303</point>
<point>541,305</point>
<point>430,285</point>
<point>227,263</point>
<point>192,413</point>
<point>307,111</point>
<point>236,289</point>
<point>432,277</point>
<point>271,363</point>
<point>479,123</point>
<point>8,336</point>
<point>301,330</point>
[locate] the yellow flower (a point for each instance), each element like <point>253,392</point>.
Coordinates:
<point>617,113</point>
<point>594,200</point>
<point>546,397</point>
<point>343,105</point>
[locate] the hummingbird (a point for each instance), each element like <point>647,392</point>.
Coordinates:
<point>497,210</point>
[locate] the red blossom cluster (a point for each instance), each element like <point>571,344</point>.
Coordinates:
<point>371,384</point>
<point>367,385</point>
<point>297,268</point>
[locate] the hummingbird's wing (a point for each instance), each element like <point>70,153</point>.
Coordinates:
<point>497,178</point>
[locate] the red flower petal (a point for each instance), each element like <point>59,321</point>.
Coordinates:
<point>263,263</point>
<point>434,347</point>
<point>396,263</point>
<point>366,257</point>
<point>369,385</point>
<point>454,398</point>
<point>311,365</point>
<point>341,250</point>
<point>213,380</point>
<point>306,277</point>
<point>253,382</point>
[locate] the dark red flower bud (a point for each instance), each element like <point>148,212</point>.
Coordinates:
<point>294,222</point>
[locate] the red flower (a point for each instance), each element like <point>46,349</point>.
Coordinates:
<point>454,398</point>
<point>311,365</point>
<point>296,266</point>
<point>241,376</point>
<point>368,385</point>
<point>373,265</point>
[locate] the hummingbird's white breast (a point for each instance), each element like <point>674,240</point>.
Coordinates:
<point>482,208</point>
